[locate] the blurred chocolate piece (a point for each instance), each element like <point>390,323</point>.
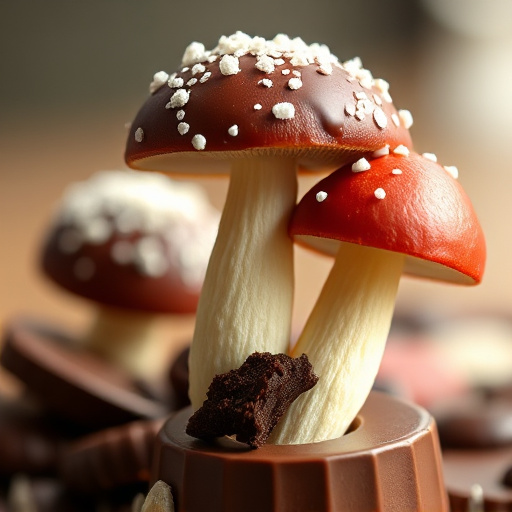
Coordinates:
<point>249,401</point>
<point>507,477</point>
<point>30,440</point>
<point>478,420</point>
<point>111,458</point>
<point>76,385</point>
<point>388,461</point>
<point>463,469</point>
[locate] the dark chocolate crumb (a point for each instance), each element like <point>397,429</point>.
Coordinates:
<point>248,402</point>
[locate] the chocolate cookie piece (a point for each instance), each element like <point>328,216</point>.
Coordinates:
<point>248,402</point>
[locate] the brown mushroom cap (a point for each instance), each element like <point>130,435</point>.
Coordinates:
<point>293,101</point>
<point>132,240</point>
<point>404,203</point>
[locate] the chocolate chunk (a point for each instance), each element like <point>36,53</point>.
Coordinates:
<point>249,401</point>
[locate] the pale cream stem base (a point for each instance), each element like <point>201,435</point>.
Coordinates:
<point>128,339</point>
<point>247,297</point>
<point>344,339</point>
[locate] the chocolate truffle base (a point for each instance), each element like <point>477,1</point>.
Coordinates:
<point>390,460</point>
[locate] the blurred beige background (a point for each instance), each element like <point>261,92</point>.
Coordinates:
<point>74,73</point>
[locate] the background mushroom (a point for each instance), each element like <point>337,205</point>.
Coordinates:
<point>398,213</point>
<point>260,110</point>
<point>137,246</point>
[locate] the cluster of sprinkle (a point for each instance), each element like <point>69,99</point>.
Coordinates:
<point>270,54</point>
<point>154,224</point>
<point>363,165</point>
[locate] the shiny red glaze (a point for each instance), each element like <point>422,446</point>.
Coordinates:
<point>320,133</point>
<point>425,215</point>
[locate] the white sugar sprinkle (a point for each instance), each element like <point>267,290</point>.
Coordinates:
<point>278,62</point>
<point>295,83</point>
<point>139,134</point>
<point>159,79</point>
<point>406,118</point>
<point>350,109</point>
<point>430,156</point>
<point>296,72</point>
<point>265,64</point>
<point>180,115</point>
<point>285,72</point>
<point>324,69</point>
<point>452,170</point>
<point>183,128</point>
<point>396,171</point>
<point>283,110</point>
<point>233,130</point>
<point>179,98</point>
<point>229,65</point>
<point>383,151</point>
<point>380,193</point>
<point>361,165</point>
<point>395,119</point>
<point>199,142</point>
<point>401,150</point>
<point>266,82</point>
<point>380,118</point>
<point>360,95</point>
<point>192,81</point>
<point>377,99</point>
<point>175,81</point>
<point>321,196</point>
<point>198,68</point>
<point>257,106</point>
<point>205,77</point>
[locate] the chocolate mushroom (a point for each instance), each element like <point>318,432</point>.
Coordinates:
<point>259,110</point>
<point>398,213</point>
<point>137,246</point>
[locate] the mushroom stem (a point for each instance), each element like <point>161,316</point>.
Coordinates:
<point>127,339</point>
<point>246,300</point>
<point>344,339</point>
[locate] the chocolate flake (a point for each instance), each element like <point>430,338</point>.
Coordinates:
<point>248,402</point>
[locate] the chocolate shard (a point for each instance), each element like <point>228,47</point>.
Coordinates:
<point>248,402</point>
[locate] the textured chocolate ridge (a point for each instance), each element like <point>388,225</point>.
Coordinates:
<point>389,461</point>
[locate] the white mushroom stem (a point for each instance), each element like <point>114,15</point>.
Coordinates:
<point>246,301</point>
<point>128,339</point>
<point>344,339</point>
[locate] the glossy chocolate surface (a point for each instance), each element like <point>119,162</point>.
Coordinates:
<point>74,384</point>
<point>320,132</point>
<point>390,460</point>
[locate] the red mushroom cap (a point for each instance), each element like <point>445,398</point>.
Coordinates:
<point>320,111</point>
<point>401,203</point>
<point>132,240</point>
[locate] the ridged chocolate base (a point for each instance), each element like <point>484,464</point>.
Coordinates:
<point>389,461</point>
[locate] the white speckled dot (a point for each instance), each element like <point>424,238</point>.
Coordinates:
<point>401,150</point>
<point>396,171</point>
<point>321,196</point>
<point>233,130</point>
<point>380,193</point>
<point>199,142</point>
<point>139,135</point>
<point>283,110</point>
<point>361,165</point>
<point>257,106</point>
<point>380,118</point>
<point>183,128</point>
